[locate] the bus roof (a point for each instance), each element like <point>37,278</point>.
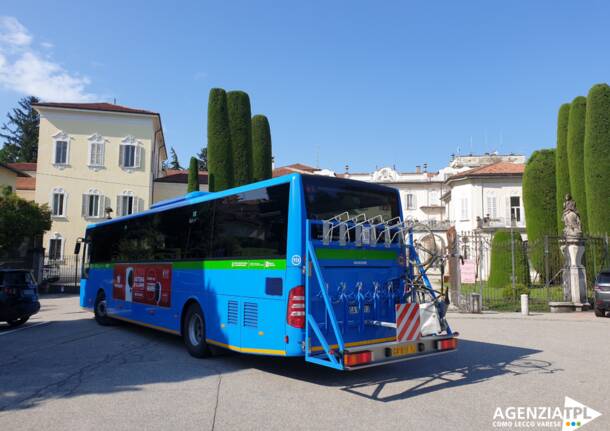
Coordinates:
<point>197,197</point>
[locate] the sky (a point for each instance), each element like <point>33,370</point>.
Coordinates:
<point>363,83</point>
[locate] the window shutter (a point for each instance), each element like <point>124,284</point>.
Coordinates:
<point>101,149</point>
<point>507,212</point>
<point>414,201</point>
<point>121,155</point>
<point>85,205</point>
<point>138,156</point>
<point>119,205</point>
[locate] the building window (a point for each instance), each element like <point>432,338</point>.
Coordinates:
<point>61,148</point>
<point>491,207</point>
<point>515,208</point>
<point>410,201</point>
<point>93,204</point>
<point>56,247</point>
<point>96,150</point>
<point>130,153</point>
<point>464,209</point>
<point>127,204</point>
<point>58,203</point>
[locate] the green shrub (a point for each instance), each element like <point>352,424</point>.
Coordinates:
<point>576,146</point>
<point>501,260</point>
<point>562,177</point>
<point>539,199</point>
<point>515,295</point>
<point>220,156</point>
<point>238,104</point>
<point>261,148</point>
<point>597,159</point>
<point>193,180</point>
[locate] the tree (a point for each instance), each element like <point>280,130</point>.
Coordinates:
<point>501,269</point>
<point>576,147</point>
<point>203,159</point>
<point>20,219</point>
<point>562,175</point>
<point>193,184</point>
<point>238,106</point>
<point>220,155</point>
<point>20,133</point>
<point>597,158</point>
<point>261,148</point>
<point>174,163</point>
<point>539,199</point>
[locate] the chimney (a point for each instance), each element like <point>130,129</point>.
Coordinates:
<point>418,169</point>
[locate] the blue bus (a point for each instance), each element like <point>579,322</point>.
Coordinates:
<point>300,265</point>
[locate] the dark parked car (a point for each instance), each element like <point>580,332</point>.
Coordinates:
<point>18,296</point>
<point>602,293</point>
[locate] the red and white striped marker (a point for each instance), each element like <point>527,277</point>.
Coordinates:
<point>407,322</point>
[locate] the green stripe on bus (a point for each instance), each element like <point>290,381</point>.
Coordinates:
<point>355,254</point>
<point>102,265</point>
<point>233,264</point>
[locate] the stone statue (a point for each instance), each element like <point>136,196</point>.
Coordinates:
<point>571,219</point>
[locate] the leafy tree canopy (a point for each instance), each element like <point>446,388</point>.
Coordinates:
<point>20,219</point>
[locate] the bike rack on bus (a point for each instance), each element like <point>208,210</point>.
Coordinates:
<point>365,232</point>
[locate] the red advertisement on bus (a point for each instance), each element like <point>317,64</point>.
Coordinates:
<point>143,283</point>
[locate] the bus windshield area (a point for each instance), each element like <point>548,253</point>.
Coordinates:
<point>327,198</point>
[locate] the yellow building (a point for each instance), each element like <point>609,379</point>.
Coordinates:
<point>93,158</point>
<point>9,176</point>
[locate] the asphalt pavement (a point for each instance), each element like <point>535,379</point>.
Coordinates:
<point>62,371</point>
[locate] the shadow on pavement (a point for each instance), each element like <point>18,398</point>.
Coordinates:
<point>77,357</point>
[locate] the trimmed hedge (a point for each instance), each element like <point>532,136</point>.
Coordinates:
<point>193,183</point>
<point>576,147</point>
<point>261,148</point>
<point>238,104</point>
<point>501,260</point>
<point>562,177</point>
<point>597,159</point>
<point>220,156</point>
<point>539,199</point>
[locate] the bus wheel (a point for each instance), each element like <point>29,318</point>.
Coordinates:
<point>101,311</point>
<point>194,332</point>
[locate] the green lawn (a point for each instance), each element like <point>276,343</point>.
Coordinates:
<point>494,299</point>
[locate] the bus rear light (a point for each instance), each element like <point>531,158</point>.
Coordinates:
<point>448,344</point>
<point>296,307</point>
<point>357,358</point>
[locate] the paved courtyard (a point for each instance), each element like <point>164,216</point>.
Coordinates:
<point>64,372</point>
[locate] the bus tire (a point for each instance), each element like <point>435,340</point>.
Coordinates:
<point>194,332</point>
<point>101,311</point>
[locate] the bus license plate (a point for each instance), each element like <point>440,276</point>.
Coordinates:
<point>404,350</point>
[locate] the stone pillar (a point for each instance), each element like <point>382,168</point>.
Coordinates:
<point>454,268</point>
<point>574,274</point>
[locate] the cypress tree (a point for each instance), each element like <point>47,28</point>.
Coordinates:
<point>539,199</point>
<point>562,176</point>
<point>238,104</point>
<point>597,158</point>
<point>576,146</point>
<point>220,156</point>
<point>193,183</point>
<point>501,267</point>
<point>261,148</point>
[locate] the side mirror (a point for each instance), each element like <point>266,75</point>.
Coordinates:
<point>77,248</point>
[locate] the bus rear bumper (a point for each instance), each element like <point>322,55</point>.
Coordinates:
<point>391,352</point>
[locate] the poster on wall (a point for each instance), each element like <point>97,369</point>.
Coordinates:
<point>468,271</point>
<point>143,283</point>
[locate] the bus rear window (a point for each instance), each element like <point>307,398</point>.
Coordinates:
<point>328,197</point>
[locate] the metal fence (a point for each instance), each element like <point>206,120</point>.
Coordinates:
<point>64,272</point>
<point>532,267</point>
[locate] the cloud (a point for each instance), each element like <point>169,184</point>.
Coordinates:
<point>25,70</point>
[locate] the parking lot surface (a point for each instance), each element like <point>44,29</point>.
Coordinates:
<point>62,371</point>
